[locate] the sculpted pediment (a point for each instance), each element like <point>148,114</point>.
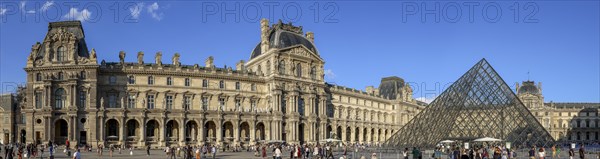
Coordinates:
<point>302,51</point>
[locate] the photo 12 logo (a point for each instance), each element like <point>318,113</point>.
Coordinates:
<point>49,11</point>
<point>319,12</point>
<point>454,12</point>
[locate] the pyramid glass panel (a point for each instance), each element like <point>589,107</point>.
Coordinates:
<point>479,104</point>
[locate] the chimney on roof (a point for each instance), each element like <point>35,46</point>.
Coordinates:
<point>264,35</point>
<point>240,65</point>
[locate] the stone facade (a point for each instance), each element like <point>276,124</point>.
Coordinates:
<point>279,94</point>
<point>566,122</point>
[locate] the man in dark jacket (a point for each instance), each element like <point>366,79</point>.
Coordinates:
<point>581,152</point>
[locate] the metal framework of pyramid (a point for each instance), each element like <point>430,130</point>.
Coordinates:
<point>479,104</point>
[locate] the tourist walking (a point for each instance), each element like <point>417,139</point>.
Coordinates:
<point>571,153</point>
<point>581,152</point>
<point>542,153</point>
<point>214,151</point>
<point>77,154</point>
<point>148,150</point>
<point>277,153</point>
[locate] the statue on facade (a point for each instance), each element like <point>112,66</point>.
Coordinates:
<point>101,102</point>
<point>158,58</point>
<point>175,59</point>
<point>140,57</point>
<point>122,57</point>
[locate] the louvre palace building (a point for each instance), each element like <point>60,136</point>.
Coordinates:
<point>279,94</point>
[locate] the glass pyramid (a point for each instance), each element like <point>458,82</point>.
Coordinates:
<point>479,104</point>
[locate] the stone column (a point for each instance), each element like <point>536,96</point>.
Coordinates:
<point>182,130</point>
<point>201,130</point>
<point>70,126</point>
<point>236,133</point>
<point>252,132</point>
<point>219,131</point>
<point>352,134</point>
<point>162,129</point>
<point>100,129</point>
<point>143,132</point>
<point>121,133</point>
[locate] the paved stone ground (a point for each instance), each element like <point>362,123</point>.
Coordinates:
<point>159,154</point>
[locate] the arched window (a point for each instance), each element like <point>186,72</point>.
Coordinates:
<point>281,67</point>
<point>259,68</point>
<point>38,77</point>
<point>61,54</point>
<point>59,98</point>
<point>299,70</point>
<point>268,67</point>
<point>221,84</point>
<point>313,72</point>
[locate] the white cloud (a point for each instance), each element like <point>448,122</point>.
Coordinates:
<point>425,99</point>
<point>136,10</point>
<point>75,14</point>
<point>3,10</point>
<point>153,10</point>
<point>329,74</point>
<point>47,5</point>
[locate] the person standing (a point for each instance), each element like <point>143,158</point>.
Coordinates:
<point>277,153</point>
<point>581,152</point>
<point>214,152</point>
<point>553,151</point>
<point>148,150</point>
<point>77,155</point>
<point>571,153</point>
<point>532,153</point>
<point>542,153</point>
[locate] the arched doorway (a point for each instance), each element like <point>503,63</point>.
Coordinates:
<point>112,131</point>
<point>23,136</point>
<point>61,131</point>
<point>348,134</point>
<point>132,131</point>
<point>211,132</point>
<point>172,131</point>
<point>338,133</point>
<point>191,131</point>
<point>152,130</point>
<point>372,135</point>
<point>329,131</point>
<point>365,139</point>
<point>244,134</point>
<point>357,135</point>
<point>228,131</point>
<point>260,131</point>
<point>301,133</point>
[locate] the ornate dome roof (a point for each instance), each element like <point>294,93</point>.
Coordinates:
<point>282,36</point>
<point>528,87</point>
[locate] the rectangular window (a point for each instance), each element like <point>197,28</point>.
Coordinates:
<point>205,83</point>
<point>112,101</point>
<point>150,80</point>
<point>238,104</point>
<point>253,87</point>
<point>187,102</point>
<point>253,105</point>
<point>237,86</point>
<point>169,102</point>
<point>221,84</point>
<point>23,119</point>
<point>169,81</point>
<point>222,104</point>
<point>82,96</point>
<point>150,101</point>
<point>187,82</point>
<point>38,100</point>
<point>204,103</point>
<point>131,101</point>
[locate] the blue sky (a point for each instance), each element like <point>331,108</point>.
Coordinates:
<point>557,42</point>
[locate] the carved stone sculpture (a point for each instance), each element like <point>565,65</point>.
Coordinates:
<point>158,58</point>
<point>140,57</point>
<point>122,57</point>
<point>176,59</point>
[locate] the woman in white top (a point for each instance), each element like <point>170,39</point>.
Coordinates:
<point>277,153</point>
